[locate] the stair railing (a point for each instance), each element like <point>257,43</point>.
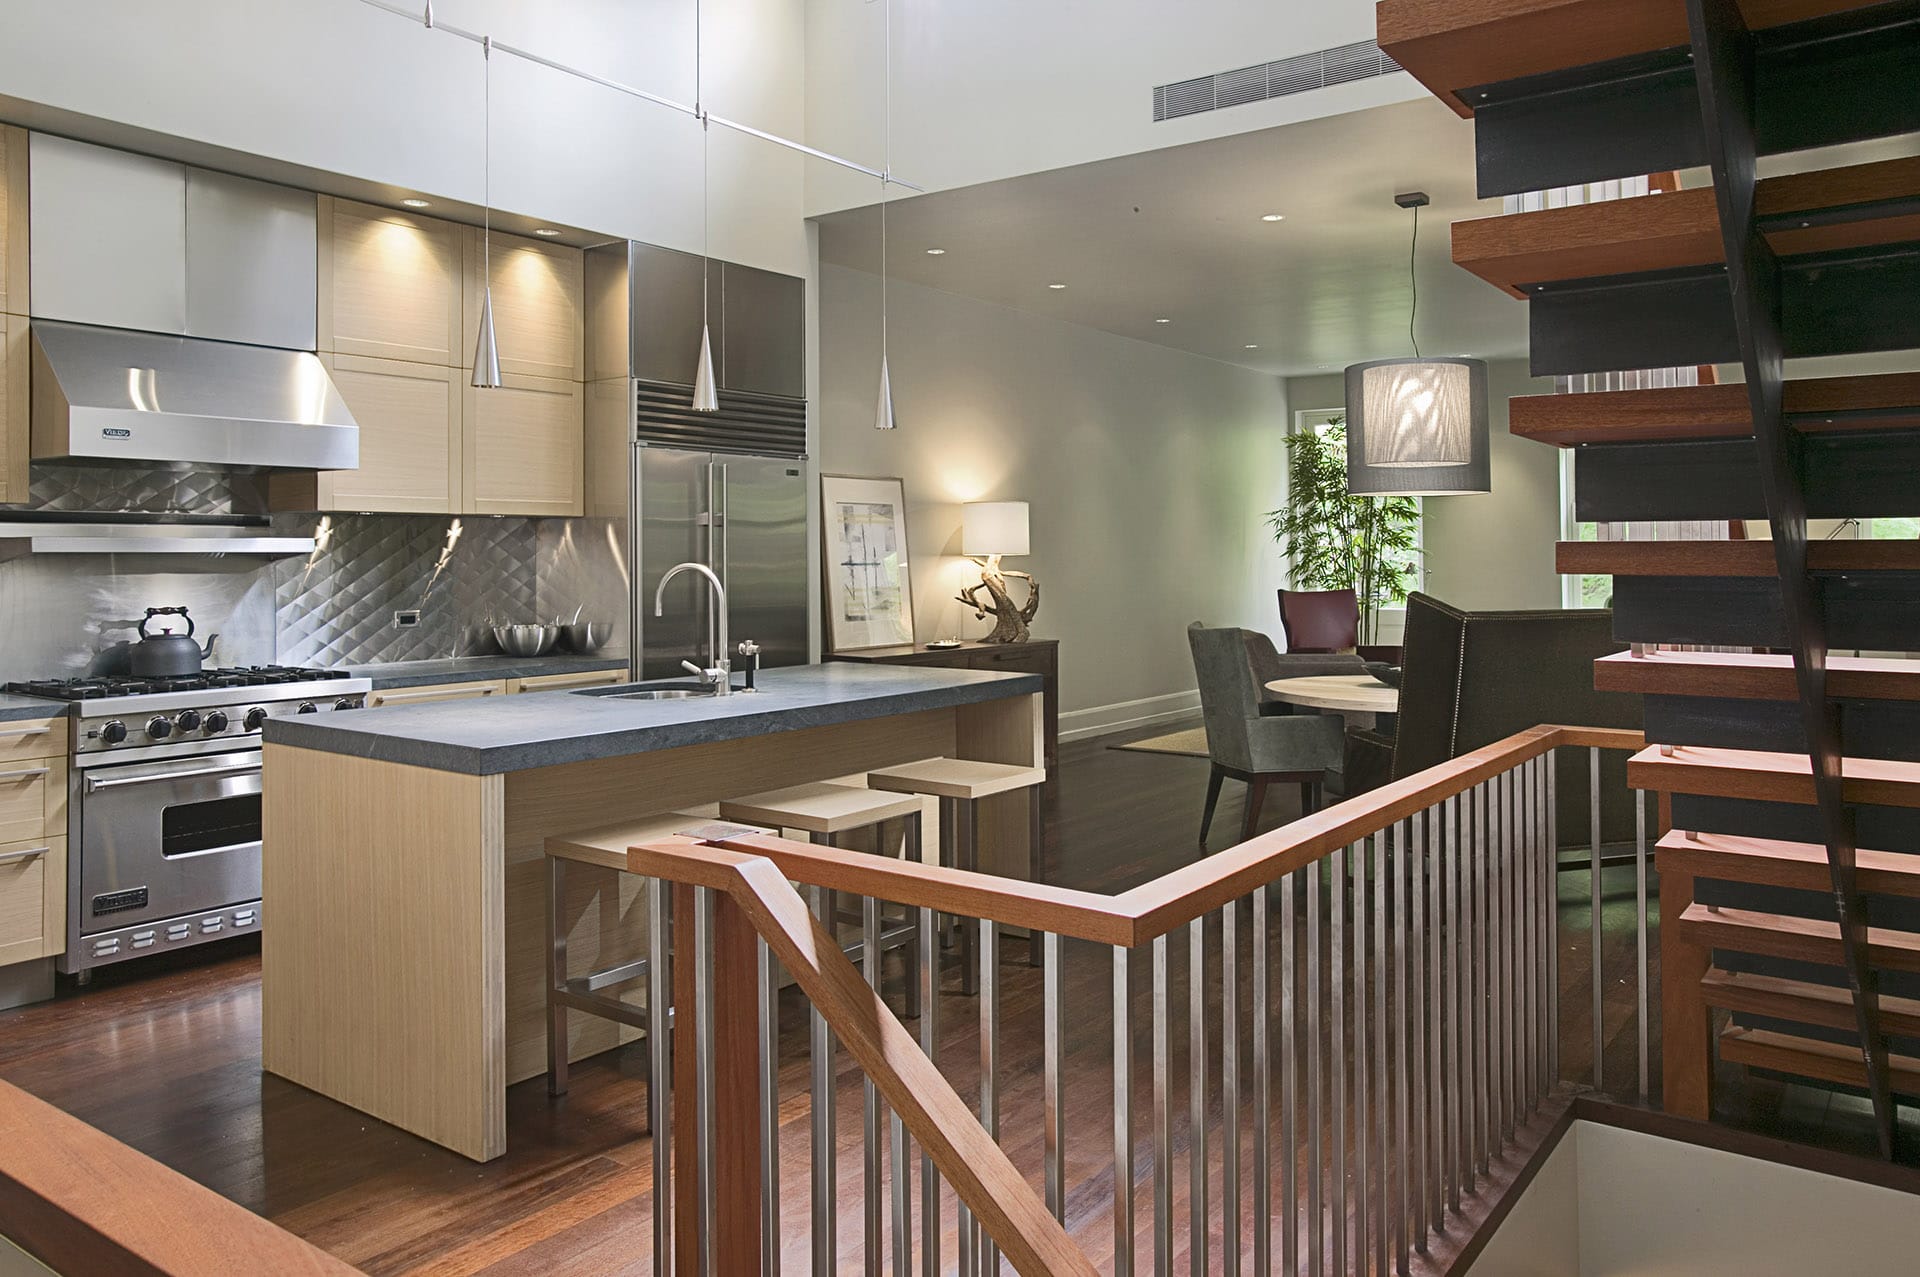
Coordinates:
<point>1348,1026</point>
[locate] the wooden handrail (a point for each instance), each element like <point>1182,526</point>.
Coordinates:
<point>80,1201</point>
<point>981,1173</point>
<point>1156,908</point>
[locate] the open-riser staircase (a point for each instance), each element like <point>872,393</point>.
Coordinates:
<point>1776,766</point>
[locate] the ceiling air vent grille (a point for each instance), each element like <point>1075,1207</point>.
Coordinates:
<point>1266,80</point>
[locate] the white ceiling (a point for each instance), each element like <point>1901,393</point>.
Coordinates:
<point>1177,233</point>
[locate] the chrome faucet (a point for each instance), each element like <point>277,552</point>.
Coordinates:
<point>717,677</point>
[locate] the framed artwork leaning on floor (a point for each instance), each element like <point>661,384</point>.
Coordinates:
<point>869,594</point>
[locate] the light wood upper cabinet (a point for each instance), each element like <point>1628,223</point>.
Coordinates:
<point>538,306</point>
<point>409,417</point>
<point>13,222</point>
<point>15,442</point>
<point>390,284</point>
<point>520,451</point>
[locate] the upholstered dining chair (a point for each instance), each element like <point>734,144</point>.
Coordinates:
<point>1241,743</point>
<point>1320,620</point>
<point>1271,664</point>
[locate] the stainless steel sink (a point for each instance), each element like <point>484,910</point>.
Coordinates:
<point>662,694</point>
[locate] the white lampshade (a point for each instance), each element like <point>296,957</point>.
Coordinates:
<point>993,527</point>
<point>1417,427</point>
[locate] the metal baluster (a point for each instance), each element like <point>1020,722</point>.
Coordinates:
<point>1316,1169</point>
<point>929,1045</point>
<point>1455,1022</point>
<point>706,1218</point>
<point>1405,874</point>
<point>870,1095</point>
<point>1426,1051</point>
<point>1122,1114</point>
<point>1230,1089</point>
<point>825,1146</point>
<point>1363,1197</point>
<point>1530,935</point>
<point>1051,1034</point>
<point>660,1071</point>
<point>1289,1100</point>
<point>1262,1096</point>
<point>1594,939</point>
<point>1337,1070</point>
<point>769,1109</point>
<point>1482,1024</point>
<point>1640,929</point>
<point>1382,1098</point>
<point>1551,822</point>
<point>1502,857</point>
<point>1162,1115</point>
<point>1496,968</point>
<point>1197,1095</point>
<point>988,1252</point>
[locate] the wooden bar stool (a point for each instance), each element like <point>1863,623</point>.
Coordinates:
<point>597,993</point>
<point>824,812</point>
<point>960,784</point>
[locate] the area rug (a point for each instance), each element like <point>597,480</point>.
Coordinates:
<point>1192,743</point>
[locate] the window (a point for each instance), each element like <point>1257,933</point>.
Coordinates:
<point>1579,591</point>
<point>1317,420</point>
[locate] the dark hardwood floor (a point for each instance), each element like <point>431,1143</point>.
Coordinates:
<point>165,1056</point>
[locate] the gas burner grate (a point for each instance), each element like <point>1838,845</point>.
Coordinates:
<point>93,688</point>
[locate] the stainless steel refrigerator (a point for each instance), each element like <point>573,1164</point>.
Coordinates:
<point>743,516</point>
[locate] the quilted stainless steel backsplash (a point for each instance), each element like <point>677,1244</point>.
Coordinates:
<point>142,490</point>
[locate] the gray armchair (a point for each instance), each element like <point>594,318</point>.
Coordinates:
<point>1269,664</point>
<point>1243,744</point>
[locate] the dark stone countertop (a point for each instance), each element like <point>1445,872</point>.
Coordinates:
<point>480,669</point>
<point>14,709</point>
<point>488,736</point>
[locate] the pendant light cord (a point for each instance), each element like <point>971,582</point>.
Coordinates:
<point>886,175</point>
<point>486,162</point>
<point>706,164</point>
<point>1413,277</point>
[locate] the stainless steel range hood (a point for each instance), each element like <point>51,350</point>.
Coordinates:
<point>109,394</point>
<point>131,537</point>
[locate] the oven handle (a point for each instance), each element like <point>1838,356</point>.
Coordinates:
<point>95,785</point>
<point>31,853</point>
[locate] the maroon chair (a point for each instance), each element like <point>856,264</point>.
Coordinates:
<point>1320,620</point>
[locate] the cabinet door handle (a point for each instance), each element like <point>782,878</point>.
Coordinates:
<point>449,693</point>
<point>15,857</point>
<point>21,733</point>
<point>26,773</point>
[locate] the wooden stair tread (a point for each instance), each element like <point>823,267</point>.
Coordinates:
<point>1879,402</point>
<point>1809,1057</point>
<point>1452,45</point>
<point>1780,935</point>
<point>1779,863</point>
<point>1769,777</point>
<point>1728,558</point>
<point>1681,229</point>
<point>1759,676</point>
<point>1802,1002</point>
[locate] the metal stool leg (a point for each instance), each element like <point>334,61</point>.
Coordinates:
<point>1036,866</point>
<point>967,841</point>
<point>556,976</point>
<point>912,852</point>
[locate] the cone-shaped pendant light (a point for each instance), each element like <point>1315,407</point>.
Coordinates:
<point>883,411</point>
<point>883,414</point>
<point>705,398</point>
<point>486,353</point>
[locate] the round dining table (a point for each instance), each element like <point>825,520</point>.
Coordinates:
<point>1356,697</point>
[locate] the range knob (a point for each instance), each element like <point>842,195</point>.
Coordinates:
<point>347,702</point>
<point>307,707</point>
<point>187,719</point>
<point>216,722</point>
<point>254,718</point>
<point>159,727</point>
<point>113,733</point>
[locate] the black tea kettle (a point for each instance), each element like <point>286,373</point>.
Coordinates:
<point>166,654</point>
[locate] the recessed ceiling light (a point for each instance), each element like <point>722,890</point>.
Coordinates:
<point>414,203</point>
<point>1056,287</point>
<point>1250,346</point>
<point>1162,320</point>
<point>548,231</point>
<point>1273,217</point>
<point>936,252</point>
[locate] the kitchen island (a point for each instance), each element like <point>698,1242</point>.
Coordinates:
<point>403,902</point>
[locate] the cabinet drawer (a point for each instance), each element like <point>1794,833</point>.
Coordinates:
<point>1013,659</point>
<point>39,738</point>
<point>435,693</point>
<point>33,794</point>
<point>557,682</point>
<point>33,899</point>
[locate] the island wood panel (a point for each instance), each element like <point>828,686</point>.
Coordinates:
<point>382,974</point>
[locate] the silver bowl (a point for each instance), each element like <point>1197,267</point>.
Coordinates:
<point>587,636</point>
<point>526,640</point>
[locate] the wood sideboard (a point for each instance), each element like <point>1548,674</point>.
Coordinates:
<point>1036,656</point>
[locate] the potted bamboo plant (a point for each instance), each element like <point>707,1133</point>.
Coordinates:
<point>1335,541</point>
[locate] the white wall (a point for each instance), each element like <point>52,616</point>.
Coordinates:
<point>995,88</point>
<point>341,87</point>
<point>1148,472</point>
<point>1492,551</point>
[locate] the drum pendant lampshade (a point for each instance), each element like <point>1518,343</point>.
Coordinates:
<point>1417,427</point>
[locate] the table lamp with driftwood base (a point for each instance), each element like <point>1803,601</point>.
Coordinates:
<point>989,531</point>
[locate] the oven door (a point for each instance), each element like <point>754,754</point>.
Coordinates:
<point>166,838</point>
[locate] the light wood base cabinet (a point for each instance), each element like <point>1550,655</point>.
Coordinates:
<point>409,416</point>
<point>33,899</point>
<point>562,682</point>
<point>435,693</point>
